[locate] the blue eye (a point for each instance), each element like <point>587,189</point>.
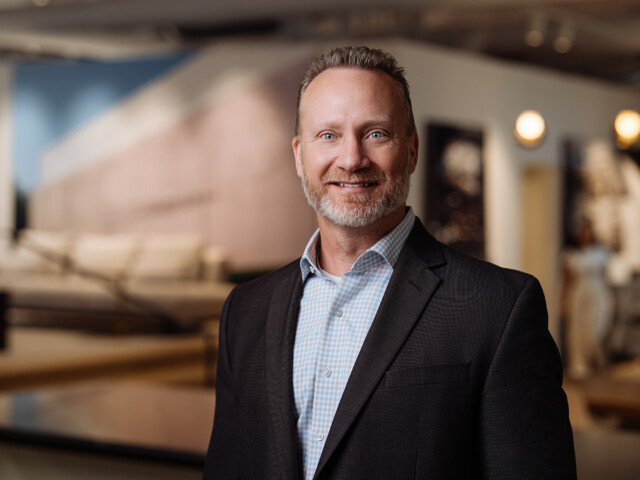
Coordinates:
<point>328,136</point>
<point>376,135</point>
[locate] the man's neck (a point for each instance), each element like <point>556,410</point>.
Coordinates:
<point>341,246</point>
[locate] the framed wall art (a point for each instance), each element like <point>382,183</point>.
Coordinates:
<point>454,199</point>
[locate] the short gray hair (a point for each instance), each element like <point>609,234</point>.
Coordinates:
<point>364,58</point>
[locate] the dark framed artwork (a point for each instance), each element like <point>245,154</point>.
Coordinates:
<point>592,190</point>
<point>455,190</point>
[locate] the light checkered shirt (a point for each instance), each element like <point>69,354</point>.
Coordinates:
<point>335,316</point>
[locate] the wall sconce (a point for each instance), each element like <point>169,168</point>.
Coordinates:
<point>627,127</point>
<point>530,128</point>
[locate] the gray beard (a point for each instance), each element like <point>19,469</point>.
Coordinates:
<point>360,210</point>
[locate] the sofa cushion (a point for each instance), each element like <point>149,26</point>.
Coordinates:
<point>187,300</point>
<point>107,255</point>
<point>37,251</point>
<point>168,257</point>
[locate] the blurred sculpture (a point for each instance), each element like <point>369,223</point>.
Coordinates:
<point>589,304</point>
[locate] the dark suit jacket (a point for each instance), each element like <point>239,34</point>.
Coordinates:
<point>458,378</point>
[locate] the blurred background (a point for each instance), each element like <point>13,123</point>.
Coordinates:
<point>146,168</point>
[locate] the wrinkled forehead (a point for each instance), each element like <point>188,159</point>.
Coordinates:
<point>342,90</point>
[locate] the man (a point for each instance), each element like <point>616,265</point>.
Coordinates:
<point>382,353</point>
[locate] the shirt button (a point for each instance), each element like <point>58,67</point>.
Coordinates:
<point>338,312</point>
<point>319,436</point>
<point>313,270</point>
<point>327,372</point>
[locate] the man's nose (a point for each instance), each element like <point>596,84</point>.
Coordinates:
<point>353,154</point>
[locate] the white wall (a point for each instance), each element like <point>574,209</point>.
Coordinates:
<point>6,183</point>
<point>459,88</point>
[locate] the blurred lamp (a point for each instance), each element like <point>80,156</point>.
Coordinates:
<point>627,126</point>
<point>530,128</point>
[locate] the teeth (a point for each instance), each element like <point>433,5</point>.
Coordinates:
<point>354,184</point>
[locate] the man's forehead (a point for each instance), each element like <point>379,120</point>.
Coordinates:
<point>372,92</point>
<point>335,75</point>
<point>351,83</point>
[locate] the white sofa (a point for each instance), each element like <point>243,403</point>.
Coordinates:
<point>173,279</point>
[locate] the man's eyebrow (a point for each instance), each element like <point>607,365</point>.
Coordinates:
<point>372,122</point>
<point>338,125</point>
<point>323,125</point>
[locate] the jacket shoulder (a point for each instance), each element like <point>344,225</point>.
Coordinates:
<point>451,263</point>
<point>484,267</point>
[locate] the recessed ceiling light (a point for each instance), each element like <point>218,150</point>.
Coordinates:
<point>537,31</point>
<point>566,35</point>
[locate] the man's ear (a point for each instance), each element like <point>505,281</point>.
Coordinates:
<point>413,150</point>
<point>297,153</point>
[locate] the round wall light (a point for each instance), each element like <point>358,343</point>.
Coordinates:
<point>530,128</point>
<point>627,126</point>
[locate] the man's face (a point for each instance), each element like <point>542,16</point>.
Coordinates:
<point>353,152</point>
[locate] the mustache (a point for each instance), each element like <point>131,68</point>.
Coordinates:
<point>365,176</point>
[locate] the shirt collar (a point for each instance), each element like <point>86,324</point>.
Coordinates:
<point>308,262</point>
<point>388,247</point>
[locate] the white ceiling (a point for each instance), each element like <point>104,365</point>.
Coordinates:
<point>604,35</point>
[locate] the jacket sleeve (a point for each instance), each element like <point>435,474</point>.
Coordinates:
<point>223,456</point>
<point>525,430</point>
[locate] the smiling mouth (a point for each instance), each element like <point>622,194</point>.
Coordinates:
<point>353,185</point>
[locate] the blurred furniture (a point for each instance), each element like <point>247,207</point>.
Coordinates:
<point>615,393</point>
<point>625,335</point>
<point>3,323</point>
<point>164,282</point>
<point>37,357</point>
<point>101,430</point>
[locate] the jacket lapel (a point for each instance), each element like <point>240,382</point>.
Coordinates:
<point>410,288</point>
<point>280,335</point>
